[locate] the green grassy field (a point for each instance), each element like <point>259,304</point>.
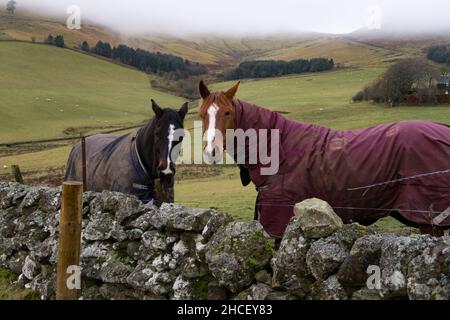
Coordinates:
<point>45,90</point>
<point>315,98</point>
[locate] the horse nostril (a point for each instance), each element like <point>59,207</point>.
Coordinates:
<point>161,165</point>
<point>213,152</point>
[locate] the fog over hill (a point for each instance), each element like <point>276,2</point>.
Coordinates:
<point>256,17</point>
<point>359,33</point>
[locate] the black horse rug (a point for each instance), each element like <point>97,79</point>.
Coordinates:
<point>113,164</point>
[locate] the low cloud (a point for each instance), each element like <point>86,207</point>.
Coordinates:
<point>241,17</point>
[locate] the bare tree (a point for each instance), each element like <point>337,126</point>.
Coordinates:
<point>11,6</point>
<point>407,76</point>
<point>402,78</point>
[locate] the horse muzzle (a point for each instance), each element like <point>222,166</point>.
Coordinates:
<point>165,168</point>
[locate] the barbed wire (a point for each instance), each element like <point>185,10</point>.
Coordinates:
<point>18,143</point>
<point>339,208</point>
<point>417,176</point>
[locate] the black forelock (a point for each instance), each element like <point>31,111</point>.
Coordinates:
<point>172,116</point>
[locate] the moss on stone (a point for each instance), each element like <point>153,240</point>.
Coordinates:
<point>200,287</point>
<point>10,291</point>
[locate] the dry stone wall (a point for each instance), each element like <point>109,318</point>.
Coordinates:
<point>133,251</point>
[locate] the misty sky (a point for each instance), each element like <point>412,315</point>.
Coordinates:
<point>239,17</point>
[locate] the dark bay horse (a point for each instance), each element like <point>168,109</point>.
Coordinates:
<point>345,168</point>
<point>132,162</point>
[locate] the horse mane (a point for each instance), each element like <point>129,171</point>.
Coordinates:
<point>145,140</point>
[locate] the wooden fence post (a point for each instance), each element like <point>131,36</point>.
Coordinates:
<point>83,161</point>
<point>69,238</point>
<point>17,174</point>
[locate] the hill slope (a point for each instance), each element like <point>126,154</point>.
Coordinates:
<point>343,51</point>
<point>44,90</point>
<point>218,52</point>
<point>24,26</point>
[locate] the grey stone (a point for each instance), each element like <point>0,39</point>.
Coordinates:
<point>143,221</point>
<point>190,289</point>
<point>258,291</point>
<point>236,252</point>
<point>30,268</point>
<point>330,289</point>
<point>115,272</point>
<point>317,219</point>
<point>366,251</point>
<point>216,291</point>
<point>280,295</point>
<point>396,253</point>
<point>139,276</point>
<point>325,256</point>
<point>290,270</point>
<point>367,294</point>
<point>263,277</point>
<point>160,283</point>
<point>216,221</point>
<point>157,240</point>
<point>428,274</point>
<point>99,227</point>
<point>185,219</point>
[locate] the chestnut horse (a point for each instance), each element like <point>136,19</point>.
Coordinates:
<point>397,169</point>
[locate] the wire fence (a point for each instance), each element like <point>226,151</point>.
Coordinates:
<point>62,139</point>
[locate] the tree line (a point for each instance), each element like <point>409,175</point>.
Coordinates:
<point>276,68</point>
<point>150,62</point>
<point>57,41</point>
<point>439,54</point>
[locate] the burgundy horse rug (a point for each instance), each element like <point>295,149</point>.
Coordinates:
<point>400,169</point>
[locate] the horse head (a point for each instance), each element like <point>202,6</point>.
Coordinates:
<point>218,114</point>
<point>161,139</point>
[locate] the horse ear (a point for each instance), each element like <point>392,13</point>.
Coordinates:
<point>232,91</point>
<point>183,111</point>
<point>203,89</point>
<point>156,109</point>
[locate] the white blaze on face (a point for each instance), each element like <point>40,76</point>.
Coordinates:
<point>211,133</point>
<point>170,138</point>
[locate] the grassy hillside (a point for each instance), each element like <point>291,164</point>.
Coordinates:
<point>24,26</point>
<point>206,49</point>
<point>46,90</point>
<point>219,51</point>
<point>356,49</point>
<point>343,51</point>
<point>316,98</point>
<point>212,50</point>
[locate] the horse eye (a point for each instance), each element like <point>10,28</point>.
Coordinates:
<point>227,113</point>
